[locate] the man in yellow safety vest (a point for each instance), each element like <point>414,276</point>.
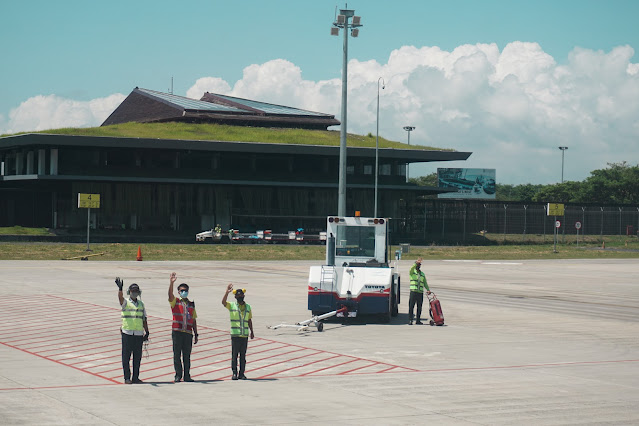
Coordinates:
<point>241,323</point>
<point>134,331</point>
<point>417,285</point>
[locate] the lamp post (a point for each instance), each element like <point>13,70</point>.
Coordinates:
<point>563,149</point>
<point>377,142</point>
<point>408,129</point>
<point>343,20</point>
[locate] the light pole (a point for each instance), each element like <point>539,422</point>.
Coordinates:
<point>342,21</point>
<point>408,129</point>
<point>377,142</point>
<point>563,149</point>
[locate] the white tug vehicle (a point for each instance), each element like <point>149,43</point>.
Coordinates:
<point>357,279</point>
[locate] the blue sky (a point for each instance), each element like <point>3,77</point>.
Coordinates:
<point>87,50</point>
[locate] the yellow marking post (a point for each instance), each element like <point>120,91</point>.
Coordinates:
<point>555,209</point>
<point>88,201</point>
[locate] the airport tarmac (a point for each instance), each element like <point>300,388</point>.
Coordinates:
<point>526,342</point>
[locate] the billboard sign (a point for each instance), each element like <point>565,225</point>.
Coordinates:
<point>469,183</point>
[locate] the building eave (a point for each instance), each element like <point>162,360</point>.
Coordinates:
<point>51,140</point>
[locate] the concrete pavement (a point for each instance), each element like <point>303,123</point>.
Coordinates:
<point>535,342</point>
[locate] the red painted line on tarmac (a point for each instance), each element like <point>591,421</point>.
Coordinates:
<point>550,364</point>
<point>297,366</point>
<point>118,344</point>
<point>279,362</point>
<point>327,368</point>
<point>358,368</point>
<point>20,334</point>
<point>227,359</point>
<point>349,356</point>
<point>157,360</point>
<point>44,317</point>
<point>109,338</point>
<point>118,352</point>
<point>57,362</point>
<point>41,343</point>
<point>171,358</point>
<point>56,341</point>
<point>388,369</point>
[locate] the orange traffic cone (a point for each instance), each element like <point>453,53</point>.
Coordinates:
<point>139,253</point>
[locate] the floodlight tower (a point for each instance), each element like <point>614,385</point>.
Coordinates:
<point>343,20</point>
<point>377,142</point>
<point>408,129</point>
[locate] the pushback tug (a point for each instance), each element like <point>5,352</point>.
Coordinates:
<point>357,274</point>
<point>357,280</point>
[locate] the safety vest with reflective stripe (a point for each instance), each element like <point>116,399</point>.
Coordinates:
<point>239,319</point>
<point>417,280</point>
<point>183,315</point>
<point>133,316</point>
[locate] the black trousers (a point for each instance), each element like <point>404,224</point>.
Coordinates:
<point>239,345</point>
<point>182,345</point>
<point>131,345</point>
<point>418,298</point>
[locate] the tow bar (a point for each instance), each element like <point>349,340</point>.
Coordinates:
<point>315,321</point>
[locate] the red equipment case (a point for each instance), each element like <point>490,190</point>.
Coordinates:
<point>435,310</point>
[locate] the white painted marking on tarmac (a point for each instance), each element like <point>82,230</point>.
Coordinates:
<point>462,261</point>
<point>501,263</point>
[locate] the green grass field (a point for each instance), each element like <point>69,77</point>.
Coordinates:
<point>616,247</point>
<point>19,230</point>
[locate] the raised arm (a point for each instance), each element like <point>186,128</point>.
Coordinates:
<point>172,280</point>
<point>120,284</point>
<point>229,289</point>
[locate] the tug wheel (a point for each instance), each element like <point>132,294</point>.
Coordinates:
<point>320,326</point>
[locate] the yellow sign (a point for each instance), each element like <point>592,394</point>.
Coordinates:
<point>88,201</point>
<point>555,209</point>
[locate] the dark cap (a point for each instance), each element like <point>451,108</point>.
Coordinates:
<point>134,286</point>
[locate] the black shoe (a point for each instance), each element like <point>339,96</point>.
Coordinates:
<point>177,379</point>
<point>410,323</point>
<point>188,379</point>
<point>127,381</point>
<point>419,322</point>
<point>243,377</point>
<point>137,381</point>
<point>234,376</point>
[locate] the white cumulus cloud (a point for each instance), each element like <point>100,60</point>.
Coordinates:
<point>53,112</point>
<point>208,84</point>
<point>512,108</point>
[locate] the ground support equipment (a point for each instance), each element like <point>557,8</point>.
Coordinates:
<point>315,321</point>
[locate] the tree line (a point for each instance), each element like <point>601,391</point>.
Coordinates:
<point>616,184</point>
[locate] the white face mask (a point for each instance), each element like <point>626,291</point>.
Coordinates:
<point>184,293</point>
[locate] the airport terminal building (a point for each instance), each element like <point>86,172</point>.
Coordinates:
<point>189,185</point>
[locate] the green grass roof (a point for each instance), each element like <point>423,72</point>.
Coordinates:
<point>222,132</point>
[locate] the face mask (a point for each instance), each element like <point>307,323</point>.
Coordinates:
<point>134,294</point>
<point>240,299</point>
<point>184,293</point>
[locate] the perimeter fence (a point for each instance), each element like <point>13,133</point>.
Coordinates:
<point>460,221</point>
